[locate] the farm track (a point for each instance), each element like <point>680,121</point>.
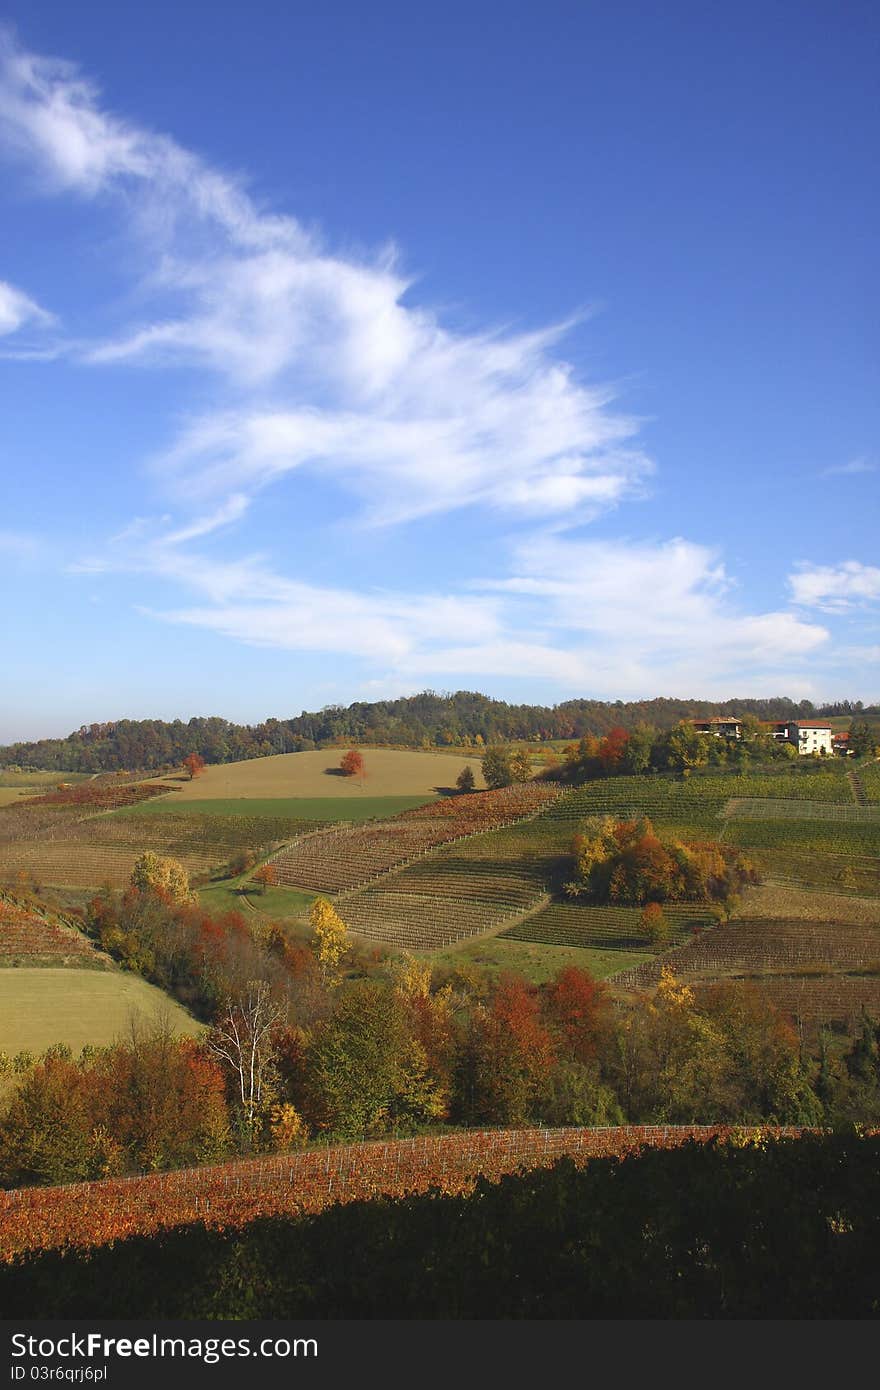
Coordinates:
<point>232,1194</point>
<point>858,791</point>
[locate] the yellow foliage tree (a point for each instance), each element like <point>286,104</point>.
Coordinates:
<point>331,935</point>
<point>164,875</point>
<point>412,977</point>
<point>671,993</point>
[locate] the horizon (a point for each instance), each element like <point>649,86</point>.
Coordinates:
<point>859,707</point>
<point>344,353</point>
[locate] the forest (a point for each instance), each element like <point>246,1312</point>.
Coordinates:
<point>429,719</point>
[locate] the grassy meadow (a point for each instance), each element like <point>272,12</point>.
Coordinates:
<point>388,772</point>
<point>43,1006</point>
<point>319,809</point>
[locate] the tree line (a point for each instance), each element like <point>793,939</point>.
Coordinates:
<point>427,720</point>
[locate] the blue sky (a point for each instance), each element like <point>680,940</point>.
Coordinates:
<point>350,350</point>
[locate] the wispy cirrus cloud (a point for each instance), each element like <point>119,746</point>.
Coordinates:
<point>321,362</point>
<point>835,588</point>
<point>852,468</point>
<point>18,310</point>
<point>615,618</point>
<point>329,367</point>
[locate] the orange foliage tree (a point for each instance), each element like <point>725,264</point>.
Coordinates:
<point>352,763</point>
<point>267,876</point>
<point>194,765</point>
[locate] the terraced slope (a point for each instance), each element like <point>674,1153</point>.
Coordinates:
<point>86,849</point>
<point>32,937</point>
<point>607,928</point>
<point>341,860</point>
<point>422,921</point>
<point>749,946</point>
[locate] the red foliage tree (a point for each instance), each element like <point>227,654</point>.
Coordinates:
<point>576,1008</point>
<point>352,763</point>
<point>508,1056</point>
<point>611,750</point>
<point>194,764</point>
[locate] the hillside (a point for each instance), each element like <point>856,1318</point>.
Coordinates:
<point>463,719</point>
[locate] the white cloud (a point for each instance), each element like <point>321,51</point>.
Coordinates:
<point>600,618</point>
<point>854,466</point>
<point>320,361</point>
<point>413,417</point>
<point>835,588</point>
<point>17,309</point>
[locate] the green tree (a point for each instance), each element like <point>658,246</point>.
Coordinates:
<point>465,781</point>
<point>496,766</point>
<point>365,1070</point>
<point>862,739</point>
<point>637,754</point>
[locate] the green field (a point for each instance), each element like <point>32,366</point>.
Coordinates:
<point>241,895</point>
<point>537,963</point>
<point>39,781</point>
<point>43,1006</point>
<point>307,808</point>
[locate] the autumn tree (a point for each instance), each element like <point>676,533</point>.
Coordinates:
<point>627,862</point>
<point>521,765</point>
<point>194,764</point>
<point>612,750</point>
<point>244,1038</point>
<point>161,874</point>
<point>330,936</point>
<point>465,781</point>
<point>266,876</point>
<point>352,764</point>
<point>654,924</point>
<point>506,1058</point>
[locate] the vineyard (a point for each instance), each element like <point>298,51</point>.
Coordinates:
<point>231,1195</point>
<point>869,777</point>
<point>828,838</point>
<point>807,870</point>
<point>27,936</point>
<point>95,796</point>
<point>814,1001</point>
<point>754,946</point>
<point>341,860</point>
<point>57,847</point>
<point>607,928</point>
<point>665,800</point>
<point>422,921</point>
<point>768,808</point>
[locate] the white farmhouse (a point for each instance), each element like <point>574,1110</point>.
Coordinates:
<point>810,737</point>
